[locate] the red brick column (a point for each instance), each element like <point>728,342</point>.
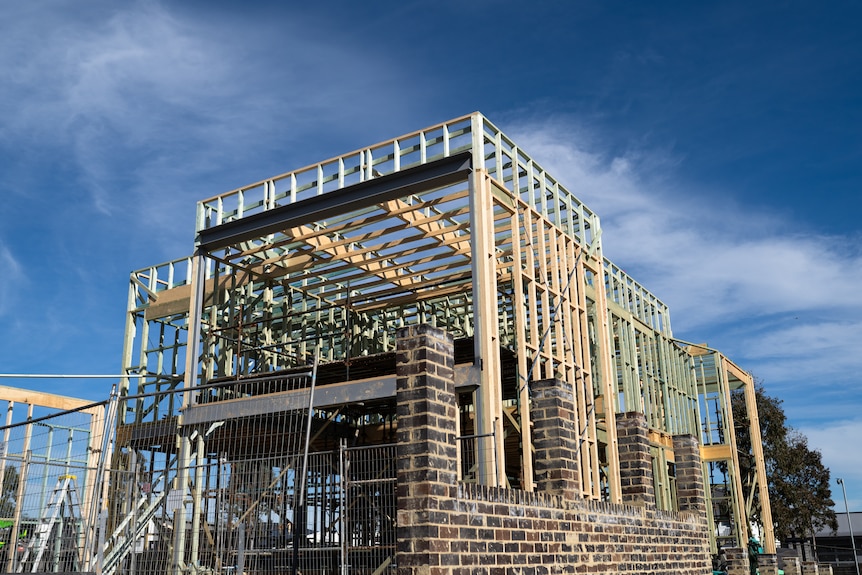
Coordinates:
<point>791,566</point>
<point>690,493</point>
<point>635,460</point>
<point>767,564</point>
<point>555,438</point>
<point>426,452</point>
<point>737,560</point>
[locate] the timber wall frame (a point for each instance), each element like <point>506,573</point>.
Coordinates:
<point>729,493</point>
<point>454,226</point>
<point>29,456</point>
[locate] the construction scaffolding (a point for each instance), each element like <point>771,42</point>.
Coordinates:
<point>259,435</point>
<point>264,504</point>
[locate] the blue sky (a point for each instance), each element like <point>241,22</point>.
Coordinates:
<point>721,143</point>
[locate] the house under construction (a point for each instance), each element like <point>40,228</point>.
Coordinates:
<point>417,355</point>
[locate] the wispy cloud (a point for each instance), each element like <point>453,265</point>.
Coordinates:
<point>156,104</point>
<point>12,279</point>
<point>803,351</point>
<point>783,300</point>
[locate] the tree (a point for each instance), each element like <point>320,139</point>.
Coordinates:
<point>799,492</point>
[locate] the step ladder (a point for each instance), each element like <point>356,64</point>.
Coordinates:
<point>62,505</point>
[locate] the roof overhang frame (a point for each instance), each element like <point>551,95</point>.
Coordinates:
<point>439,173</point>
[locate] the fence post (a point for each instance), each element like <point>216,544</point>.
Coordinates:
<point>19,497</point>
<point>343,471</point>
<point>100,485</point>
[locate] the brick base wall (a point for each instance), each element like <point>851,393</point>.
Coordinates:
<point>506,531</point>
<point>450,528</point>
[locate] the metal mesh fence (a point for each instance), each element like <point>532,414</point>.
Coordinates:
<point>252,519</point>
<point>230,493</point>
<point>51,477</point>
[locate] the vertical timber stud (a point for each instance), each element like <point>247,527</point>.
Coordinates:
<point>190,379</point>
<point>194,336</point>
<point>519,234</point>
<point>19,494</point>
<point>607,369</point>
<point>486,339</point>
<point>128,343</point>
<point>760,466</point>
<point>738,498</point>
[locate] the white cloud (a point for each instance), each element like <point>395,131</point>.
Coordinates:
<point>801,350</point>
<point>837,443</point>
<point>783,303</point>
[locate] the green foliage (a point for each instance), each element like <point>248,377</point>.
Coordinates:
<point>799,492</point>
<point>7,495</point>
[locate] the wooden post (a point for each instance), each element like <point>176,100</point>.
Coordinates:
<point>486,339</point>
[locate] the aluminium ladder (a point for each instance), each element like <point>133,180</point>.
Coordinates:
<point>65,497</point>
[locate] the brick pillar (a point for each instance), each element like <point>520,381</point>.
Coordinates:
<point>825,569</point>
<point>689,474</point>
<point>635,460</point>
<point>737,560</point>
<point>810,568</point>
<point>555,438</point>
<point>767,564</point>
<point>426,452</point>
<point>791,566</point>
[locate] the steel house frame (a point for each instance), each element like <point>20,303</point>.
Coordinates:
<point>455,226</point>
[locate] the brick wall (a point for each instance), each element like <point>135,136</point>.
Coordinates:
<point>448,528</point>
<point>635,459</point>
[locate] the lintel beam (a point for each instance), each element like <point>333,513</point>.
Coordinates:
<point>41,399</point>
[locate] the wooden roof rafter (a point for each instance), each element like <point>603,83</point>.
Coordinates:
<point>431,233</point>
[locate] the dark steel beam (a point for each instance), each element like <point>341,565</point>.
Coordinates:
<point>371,389</point>
<point>442,172</point>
